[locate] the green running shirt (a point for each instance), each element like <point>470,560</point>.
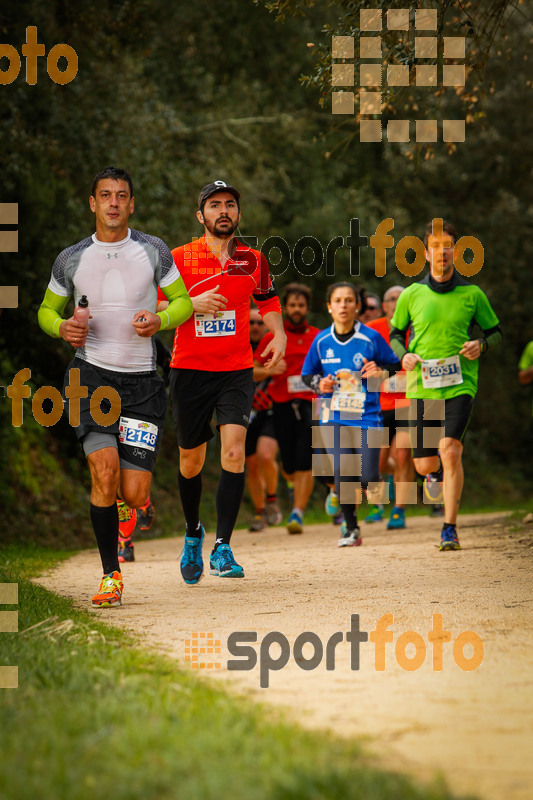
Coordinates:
<point>440,325</point>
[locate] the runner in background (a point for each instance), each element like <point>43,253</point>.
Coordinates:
<point>442,362</point>
<point>212,366</point>
<point>396,458</point>
<point>261,447</point>
<point>370,310</point>
<point>345,365</point>
<point>371,306</point>
<point>525,365</point>
<point>292,399</point>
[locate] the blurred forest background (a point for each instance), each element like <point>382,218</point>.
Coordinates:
<point>184,93</point>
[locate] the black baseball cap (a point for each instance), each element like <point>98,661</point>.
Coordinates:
<point>213,188</point>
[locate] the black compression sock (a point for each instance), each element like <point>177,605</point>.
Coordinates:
<point>105,526</point>
<point>229,496</point>
<point>350,515</point>
<point>190,494</point>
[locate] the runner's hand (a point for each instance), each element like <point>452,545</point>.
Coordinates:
<point>409,361</point>
<point>74,332</point>
<point>471,350</point>
<point>209,302</point>
<point>327,384</point>
<point>370,369</point>
<point>146,323</point>
<point>276,349</point>
<point>279,368</point>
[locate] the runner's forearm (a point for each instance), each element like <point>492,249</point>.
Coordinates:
<point>397,342</point>
<point>491,338</point>
<point>274,322</point>
<point>180,306</point>
<point>312,381</point>
<point>50,314</point>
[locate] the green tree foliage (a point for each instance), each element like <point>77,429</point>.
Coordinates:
<point>181,94</point>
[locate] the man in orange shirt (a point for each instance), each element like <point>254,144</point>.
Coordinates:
<point>396,458</point>
<point>212,366</point>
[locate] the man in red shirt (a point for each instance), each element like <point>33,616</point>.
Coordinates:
<point>395,458</point>
<point>293,399</point>
<point>211,369</point>
<point>261,447</point>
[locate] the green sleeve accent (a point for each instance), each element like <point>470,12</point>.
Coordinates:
<point>526,359</point>
<point>50,314</point>
<point>180,307</point>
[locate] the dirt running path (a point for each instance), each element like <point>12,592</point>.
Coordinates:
<point>474,727</point>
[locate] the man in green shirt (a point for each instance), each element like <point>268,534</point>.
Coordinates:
<point>525,365</point>
<point>441,362</point>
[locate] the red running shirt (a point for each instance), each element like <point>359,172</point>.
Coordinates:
<point>388,400</point>
<point>220,342</point>
<point>289,385</point>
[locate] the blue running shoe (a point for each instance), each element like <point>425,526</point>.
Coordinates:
<point>448,538</point>
<point>332,506</point>
<point>397,519</point>
<point>223,564</point>
<point>192,564</point>
<point>295,522</point>
<point>376,515</point>
<point>350,537</point>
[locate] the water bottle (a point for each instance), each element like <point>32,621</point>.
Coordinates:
<point>82,311</point>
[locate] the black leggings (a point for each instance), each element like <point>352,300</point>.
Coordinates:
<point>342,455</point>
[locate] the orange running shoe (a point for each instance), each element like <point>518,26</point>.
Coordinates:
<point>145,515</point>
<point>127,519</point>
<point>110,591</point>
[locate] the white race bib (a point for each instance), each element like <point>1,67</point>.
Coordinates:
<point>352,402</point>
<point>295,385</point>
<point>348,395</point>
<point>138,433</point>
<point>440,372</point>
<point>220,324</point>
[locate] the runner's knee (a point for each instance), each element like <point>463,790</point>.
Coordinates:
<point>105,476</point>
<point>233,456</point>
<point>451,452</point>
<point>191,463</point>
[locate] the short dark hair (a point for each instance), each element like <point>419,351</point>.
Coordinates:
<point>342,285</point>
<point>297,289</point>
<point>447,227</point>
<point>116,174</point>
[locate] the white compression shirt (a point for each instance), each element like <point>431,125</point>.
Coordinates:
<point>119,279</point>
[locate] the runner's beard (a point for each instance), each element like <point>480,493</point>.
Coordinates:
<point>296,318</point>
<point>222,233</point>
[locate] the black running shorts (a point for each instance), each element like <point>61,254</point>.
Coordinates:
<point>390,422</point>
<point>431,420</point>
<point>138,423</point>
<point>261,425</point>
<point>196,394</point>
<point>293,423</point>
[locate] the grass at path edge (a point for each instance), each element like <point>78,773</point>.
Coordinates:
<point>95,713</point>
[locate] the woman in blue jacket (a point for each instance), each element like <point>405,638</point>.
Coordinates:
<point>345,366</point>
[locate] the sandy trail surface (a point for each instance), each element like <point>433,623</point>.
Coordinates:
<point>474,727</point>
